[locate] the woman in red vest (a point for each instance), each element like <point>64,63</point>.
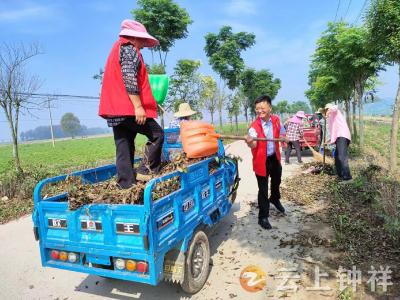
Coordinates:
<point>266,158</point>
<point>126,101</point>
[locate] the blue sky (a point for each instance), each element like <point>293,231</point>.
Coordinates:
<point>76,37</point>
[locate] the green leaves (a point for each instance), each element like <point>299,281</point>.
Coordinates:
<point>224,49</point>
<point>256,83</point>
<point>185,85</point>
<point>383,23</point>
<point>343,60</point>
<point>70,124</point>
<point>165,20</point>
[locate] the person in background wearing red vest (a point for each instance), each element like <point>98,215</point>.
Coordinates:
<point>266,158</point>
<point>128,105</point>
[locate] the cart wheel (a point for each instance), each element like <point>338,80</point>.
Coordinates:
<point>197,263</point>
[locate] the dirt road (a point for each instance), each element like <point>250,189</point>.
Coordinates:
<point>236,243</point>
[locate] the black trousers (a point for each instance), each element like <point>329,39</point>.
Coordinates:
<point>124,138</point>
<point>288,151</point>
<point>274,170</point>
<point>341,158</point>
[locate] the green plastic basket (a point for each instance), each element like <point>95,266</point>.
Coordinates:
<point>159,84</point>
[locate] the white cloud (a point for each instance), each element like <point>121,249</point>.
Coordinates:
<point>241,7</point>
<point>34,11</point>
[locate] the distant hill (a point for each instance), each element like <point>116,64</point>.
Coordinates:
<point>382,107</point>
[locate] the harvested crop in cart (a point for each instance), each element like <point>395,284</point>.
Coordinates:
<point>108,192</point>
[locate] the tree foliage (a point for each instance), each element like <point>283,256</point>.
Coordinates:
<point>208,95</point>
<point>281,107</point>
<point>299,106</point>
<point>185,85</point>
<point>165,20</point>
<point>156,69</point>
<point>341,67</point>
<point>255,83</point>
<point>233,107</point>
<point>383,22</point>
<point>223,51</point>
<point>70,124</point>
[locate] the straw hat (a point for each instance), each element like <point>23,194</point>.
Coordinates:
<point>184,111</point>
<point>329,105</point>
<point>135,29</point>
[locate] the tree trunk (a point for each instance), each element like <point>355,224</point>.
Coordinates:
<point>355,135</point>
<point>359,90</point>
<point>348,114</point>
<point>212,117</point>
<point>14,136</point>
<point>394,130</point>
<point>236,123</point>
<point>246,108</point>
<point>220,118</point>
<point>162,119</point>
<point>159,54</point>
<point>165,61</point>
<point>351,118</point>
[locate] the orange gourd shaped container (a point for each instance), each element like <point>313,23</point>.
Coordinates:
<point>198,139</point>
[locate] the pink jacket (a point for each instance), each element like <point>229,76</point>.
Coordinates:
<point>337,125</point>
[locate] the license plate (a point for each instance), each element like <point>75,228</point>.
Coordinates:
<point>188,205</point>
<point>168,219</point>
<point>91,225</point>
<point>218,185</point>
<point>128,228</point>
<point>57,223</point>
<point>205,193</point>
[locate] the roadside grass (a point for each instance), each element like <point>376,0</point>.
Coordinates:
<point>231,129</point>
<point>365,217</point>
<point>377,139</point>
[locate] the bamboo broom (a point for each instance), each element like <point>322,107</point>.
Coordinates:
<point>318,156</point>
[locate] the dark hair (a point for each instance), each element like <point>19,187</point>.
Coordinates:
<point>263,98</point>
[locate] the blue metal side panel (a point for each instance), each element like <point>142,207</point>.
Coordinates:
<point>167,223</point>
<point>172,142</point>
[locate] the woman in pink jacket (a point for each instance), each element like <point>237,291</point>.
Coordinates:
<point>340,135</point>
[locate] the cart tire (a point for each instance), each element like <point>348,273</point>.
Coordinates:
<point>197,263</point>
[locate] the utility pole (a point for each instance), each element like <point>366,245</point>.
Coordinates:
<point>51,122</point>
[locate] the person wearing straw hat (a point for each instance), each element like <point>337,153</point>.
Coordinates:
<point>340,136</point>
<point>184,113</point>
<point>294,133</point>
<point>266,158</point>
<point>128,105</point>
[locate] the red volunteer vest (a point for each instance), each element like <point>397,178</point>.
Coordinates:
<point>114,99</point>
<point>260,151</point>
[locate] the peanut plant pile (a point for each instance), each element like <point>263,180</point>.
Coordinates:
<point>109,192</point>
